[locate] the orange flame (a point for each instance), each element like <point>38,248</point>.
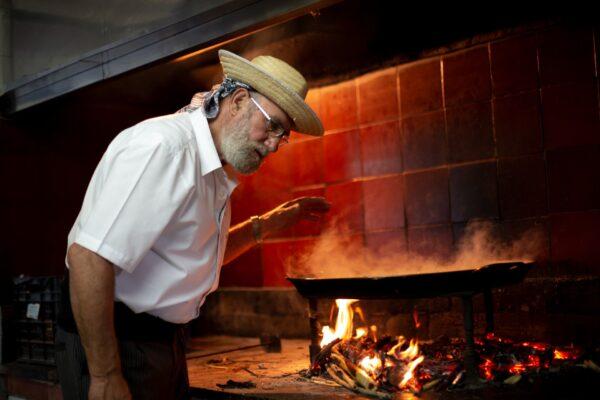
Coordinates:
<point>487,366</point>
<point>343,323</point>
<point>409,374</point>
<point>372,365</point>
<point>360,332</point>
<point>416,318</point>
<point>565,354</point>
<point>411,351</point>
<point>407,360</point>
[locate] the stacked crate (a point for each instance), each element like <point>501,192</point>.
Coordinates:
<point>37,301</point>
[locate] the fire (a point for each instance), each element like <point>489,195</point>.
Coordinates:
<point>536,345</point>
<point>409,374</point>
<point>359,356</point>
<point>360,332</point>
<point>343,323</point>
<point>372,365</point>
<point>416,318</point>
<point>379,366</point>
<point>486,367</point>
<point>411,351</point>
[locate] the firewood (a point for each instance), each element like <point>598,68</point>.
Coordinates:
<point>323,355</point>
<point>511,380</point>
<point>430,384</point>
<point>364,380</point>
<point>339,376</point>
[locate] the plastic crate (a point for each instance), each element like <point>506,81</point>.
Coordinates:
<point>36,302</point>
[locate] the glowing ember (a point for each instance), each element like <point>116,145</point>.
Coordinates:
<point>416,318</point>
<point>378,366</point>
<point>486,367</point>
<point>566,353</point>
<point>536,346</point>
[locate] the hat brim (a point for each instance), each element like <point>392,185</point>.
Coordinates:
<point>303,117</point>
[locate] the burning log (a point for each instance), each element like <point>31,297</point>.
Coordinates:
<point>379,367</point>
<point>338,375</point>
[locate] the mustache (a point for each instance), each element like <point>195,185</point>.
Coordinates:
<point>262,149</point>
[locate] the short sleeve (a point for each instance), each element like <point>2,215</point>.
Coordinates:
<point>138,192</point>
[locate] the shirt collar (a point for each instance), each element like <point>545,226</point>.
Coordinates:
<point>209,158</point>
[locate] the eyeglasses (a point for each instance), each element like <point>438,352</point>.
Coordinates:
<point>274,128</point>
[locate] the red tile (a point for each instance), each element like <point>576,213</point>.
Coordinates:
<point>308,228</point>
<point>467,77</point>
<point>378,96</point>
<point>424,140</point>
<point>346,205</point>
<point>384,205</point>
<point>313,99</point>
<point>420,87</point>
<point>469,130</point>
<point>257,194</point>
<point>509,76</point>
<point>473,191</point>
<point>244,200</point>
<point>342,156</point>
<point>571,115</point>
<point>517,121</point>
<point>574,178</point>
<point>522,185</point>
<point>529,239</point>
<point>246,270</point>
<point>276,258</point>
<point>386,243</point>
<point>431,242</point>
<point>301,251</point>
<point>574,242</point>
<point>566,55</point>
<point>338,105</point>
<point>276,168</point>
<point>307,162</point>
<point>381,149</point>
<point>427,199</point>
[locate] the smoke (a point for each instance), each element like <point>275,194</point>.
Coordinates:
<point>340,253</point>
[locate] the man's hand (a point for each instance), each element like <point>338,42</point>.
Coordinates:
<point>289,213</point>
<point>110,387</point>
<point>242,236</point>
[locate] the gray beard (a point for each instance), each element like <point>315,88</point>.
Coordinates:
<point>239,151</point>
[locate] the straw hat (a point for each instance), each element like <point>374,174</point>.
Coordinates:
<point>277,81</point>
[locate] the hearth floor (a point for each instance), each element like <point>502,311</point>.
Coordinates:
<point>276,376</point>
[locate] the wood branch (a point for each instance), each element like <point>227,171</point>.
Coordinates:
<point>338,375</point>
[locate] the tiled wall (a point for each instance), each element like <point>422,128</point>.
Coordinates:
<point>506,131</point>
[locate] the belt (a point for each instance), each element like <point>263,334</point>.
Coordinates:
<point>128,324</point>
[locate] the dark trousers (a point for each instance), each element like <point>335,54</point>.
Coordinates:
<point>153,369</point>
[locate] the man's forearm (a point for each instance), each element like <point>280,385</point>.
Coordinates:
<point>92,284</point>
<point>241,239</point>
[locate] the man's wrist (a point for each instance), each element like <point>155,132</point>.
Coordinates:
<point>257,231</point>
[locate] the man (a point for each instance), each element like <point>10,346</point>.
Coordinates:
<point>149,241</point>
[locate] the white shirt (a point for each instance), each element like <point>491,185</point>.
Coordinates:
<point>158,208</point>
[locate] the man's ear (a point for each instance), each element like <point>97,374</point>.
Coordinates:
<point>237,100</point>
